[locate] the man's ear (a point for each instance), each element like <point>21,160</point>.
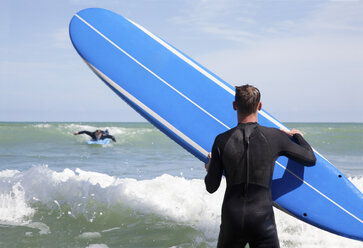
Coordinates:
<point>259,107</point>
<point>234,106</point>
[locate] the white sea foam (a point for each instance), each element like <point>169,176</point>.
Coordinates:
<point>43,228</point>
<point>42,125</point>
<point>110,230</point>
<point>175,198</point>
<point>8,173</point>
<point>90,235</point>
<point>97,246</point>
<point>13,205</point>
<point>358,182</point>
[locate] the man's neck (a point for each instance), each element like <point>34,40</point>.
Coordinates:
<point>250,118</point>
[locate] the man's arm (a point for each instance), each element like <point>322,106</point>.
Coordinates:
<point>84,132</point>
<point>215,170</point>
<point>299,150</point>
<point>110,137</point>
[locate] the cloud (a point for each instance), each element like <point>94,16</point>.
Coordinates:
<point>81,2</point>
<point>244,22</point>
<point>311,71</point>
<point>229,34</point>
<point>345,1</point>
<point>336,17</point>
<point>225,19</point>
<point>60,38</point>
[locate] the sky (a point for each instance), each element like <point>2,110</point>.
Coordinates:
<point>306,57</point>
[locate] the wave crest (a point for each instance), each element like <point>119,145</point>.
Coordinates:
<point>79,193</point>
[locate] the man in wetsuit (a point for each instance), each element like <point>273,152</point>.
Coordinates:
<point>247,154</point>
<point>97,135</point>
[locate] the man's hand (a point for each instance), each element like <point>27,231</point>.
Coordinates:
<point>207,164</point>
<point>292,132</point>
<point>75,133</point>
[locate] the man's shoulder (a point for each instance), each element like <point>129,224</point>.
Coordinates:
<point>267,129</point>
<point>270,130</point>
<point>226,133</point>
<point>273,134</point>
<point>222,138</point>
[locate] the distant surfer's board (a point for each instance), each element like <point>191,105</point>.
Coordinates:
<point>192,106</point>
<point>99,142</point>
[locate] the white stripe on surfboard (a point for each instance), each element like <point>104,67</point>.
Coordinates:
<point>151,72</point>
<point>187,139</point>
<point>316,190</point>
<point>200,69</point>
<point>180,55</point>
<point>207,74</point>
<point>148,110</point>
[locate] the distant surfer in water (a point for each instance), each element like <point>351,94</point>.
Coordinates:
<point>247,154</point>
<point>97,135</point>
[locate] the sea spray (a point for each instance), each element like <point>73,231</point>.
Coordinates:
<point>13,205</point>
<point>174,201</point>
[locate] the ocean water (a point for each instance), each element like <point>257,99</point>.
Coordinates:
<point>142,191</point>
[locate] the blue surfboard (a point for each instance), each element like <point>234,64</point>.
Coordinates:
<point>99,142</point>
<point>192,106</point>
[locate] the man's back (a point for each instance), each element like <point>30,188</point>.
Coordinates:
<point>251,160</point>
<point>246,155</point>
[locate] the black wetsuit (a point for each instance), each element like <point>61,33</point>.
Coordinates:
<point>93,135</point>
<point>247,154</point>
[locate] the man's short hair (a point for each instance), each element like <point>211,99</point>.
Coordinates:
<point>247,99</point>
